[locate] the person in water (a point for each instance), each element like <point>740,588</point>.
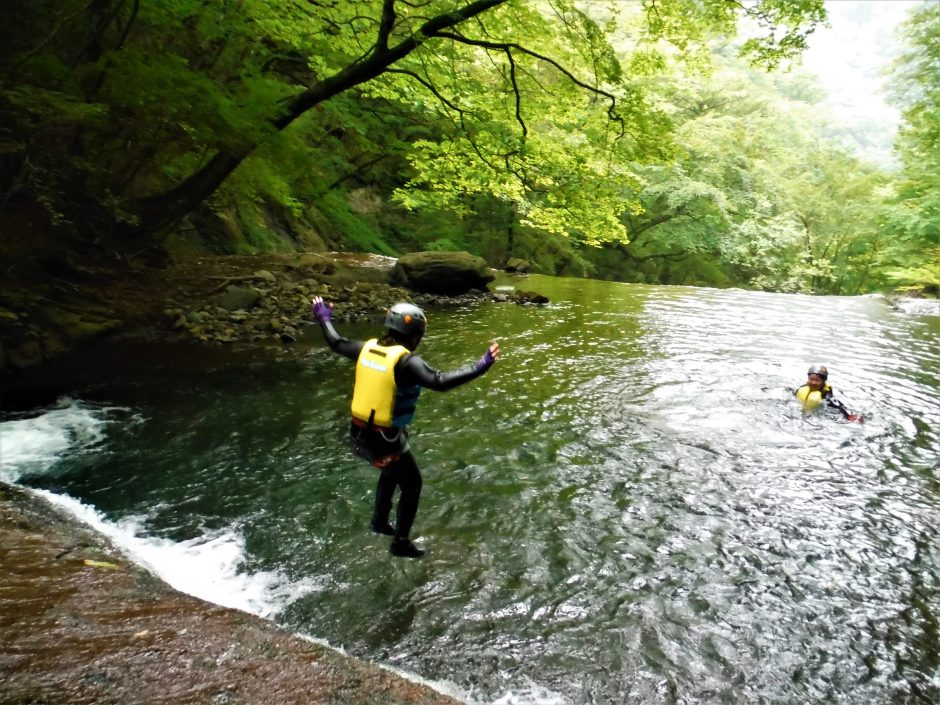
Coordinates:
<point>389,378</point>
<point>817,391</point>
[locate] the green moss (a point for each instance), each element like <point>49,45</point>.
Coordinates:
<point>357,232</point>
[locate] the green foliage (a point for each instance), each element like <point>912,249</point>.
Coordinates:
<point>914,218</point>
<point>923,277</point>
<point>784,22</point>
<point>258,235</point>
<point>556,132</point>
<point>778,27</point>
<point>358,232</point>
<point>755,192</point>
<point>443,245</point>
<point>526,102</point>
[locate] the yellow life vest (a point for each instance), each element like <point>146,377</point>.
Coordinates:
<point>812,398</point>
<point>375,389</point>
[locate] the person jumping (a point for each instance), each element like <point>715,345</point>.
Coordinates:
<point>389,379</point>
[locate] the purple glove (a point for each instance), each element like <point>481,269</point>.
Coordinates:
<point>485,362</point>
<point>322,311</point>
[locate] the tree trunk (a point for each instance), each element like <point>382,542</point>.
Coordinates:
<point>158,212</point>
<point>167,209</point>
<point>511,233</point>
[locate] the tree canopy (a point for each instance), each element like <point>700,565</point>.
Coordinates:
<point>158,103</point>
<point>628,140</point>
<point>915,219</point>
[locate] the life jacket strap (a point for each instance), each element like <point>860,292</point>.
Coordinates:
<point>368,425</point>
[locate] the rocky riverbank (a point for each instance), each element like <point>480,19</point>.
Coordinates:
<point>52,306</point>
<point>258,299</point>
<point>80,623</point>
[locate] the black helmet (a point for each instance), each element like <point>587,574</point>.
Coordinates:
<point>819,370</point>
<point>407,319</point>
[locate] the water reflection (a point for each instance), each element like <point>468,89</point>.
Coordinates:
<point>630,508</point>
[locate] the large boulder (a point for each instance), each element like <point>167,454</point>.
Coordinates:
<point>446,273</point>
<point>517,266</point>
<point>239,297</point>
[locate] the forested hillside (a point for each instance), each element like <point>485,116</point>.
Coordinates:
<point>669,141</point>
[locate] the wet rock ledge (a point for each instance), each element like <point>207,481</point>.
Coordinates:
<point>79,623</point>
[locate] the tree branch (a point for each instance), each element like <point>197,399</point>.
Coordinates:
<point>508,47</point>
<point>431,87</point>
<point>377,60</point>
<point>653,222</point>
<point>385,25</point>
<point>359,171</point>
<point>672,256</point>
<point>515,90</point>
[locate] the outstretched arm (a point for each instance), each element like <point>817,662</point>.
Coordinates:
<point>412,369</point>
<point>834,403</point>
<point>323,312</point>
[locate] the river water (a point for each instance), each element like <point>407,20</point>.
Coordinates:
<point>630,507</point>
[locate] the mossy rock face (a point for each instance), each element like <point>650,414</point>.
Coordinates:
<point>517,265</point>
<point>55,331</point>
<point>446,273</point>
<point>83,329</point>
<point>24,355</point>
<point>69,329</point>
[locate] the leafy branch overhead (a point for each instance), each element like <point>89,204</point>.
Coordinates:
<point>165,101</point>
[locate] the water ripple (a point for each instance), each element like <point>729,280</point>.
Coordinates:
<point>630,507</point>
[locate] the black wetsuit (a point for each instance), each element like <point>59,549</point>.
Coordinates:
<point>388,449</point>
<point>834,403</point>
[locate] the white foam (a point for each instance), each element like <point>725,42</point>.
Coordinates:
<point>533,694</point>
<point>529,693</point>
<point>917,307</point>
<point>33,445</point>
<point>208,567</point>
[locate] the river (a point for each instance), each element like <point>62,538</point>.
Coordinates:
<point>630,507</point>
